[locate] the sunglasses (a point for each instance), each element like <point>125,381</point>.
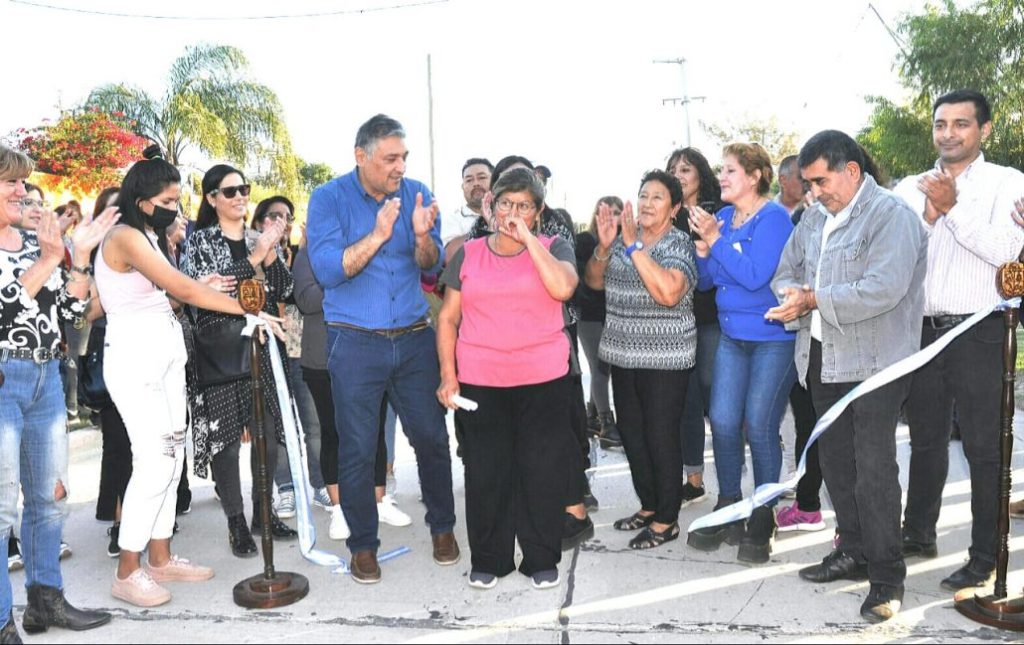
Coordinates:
<point>229,192</point>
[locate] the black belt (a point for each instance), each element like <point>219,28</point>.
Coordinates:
<point>39,355</point>
<point>952,320</point>
<point>386,333</point>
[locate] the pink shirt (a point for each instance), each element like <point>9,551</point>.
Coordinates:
<point>512,331</point>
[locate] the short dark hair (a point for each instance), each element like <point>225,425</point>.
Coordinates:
<point>519,180</point>
<point>477,161</point>
<point>378,127</point>
<point>788,165</point>
<point>675,189</point>
<point>835,147</point>
<point>260,213</point>
<point>982,109</point>
<point>544,172</point>
<point>507,162</point>
<point>32,187</point>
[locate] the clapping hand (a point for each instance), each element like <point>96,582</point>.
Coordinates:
<point>486,207</point>
<point>268,240</point>
<point>423,217</point>
<point>939,188</point>
<point>1018,211</point>
<point>607,227</point>
<point>796,303</point>
<point>707,227</point>
<point>90,232</point>
<point>386,218</point>
<point>629,225</point>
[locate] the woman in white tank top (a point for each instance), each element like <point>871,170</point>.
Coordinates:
<point>144,369</point>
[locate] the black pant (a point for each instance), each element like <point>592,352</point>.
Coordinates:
<point>515,453</point>
<point>808,491</point>
<point>578,461</point>
<point>969,371</point>
<point>319,382</point>
<point>649,404</point>
<point>116,463</point>
<point>228,476</point>
<point>858,459</point>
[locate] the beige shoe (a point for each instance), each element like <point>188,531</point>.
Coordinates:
<point>179,570</point>
<point>1017,509</point>
<point>139,589</point>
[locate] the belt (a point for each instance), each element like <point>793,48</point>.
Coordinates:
<point>39,355</point>
<point>386,333</point>
<point>947,321</point>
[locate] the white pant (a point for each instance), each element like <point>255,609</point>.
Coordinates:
<point>144,369</point>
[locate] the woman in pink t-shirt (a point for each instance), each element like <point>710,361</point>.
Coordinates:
<point>502,343</point>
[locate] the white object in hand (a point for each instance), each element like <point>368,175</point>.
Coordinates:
<point>465,403</point>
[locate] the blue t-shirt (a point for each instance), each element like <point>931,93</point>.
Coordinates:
<point>386,294</point>
<point>741,265</point>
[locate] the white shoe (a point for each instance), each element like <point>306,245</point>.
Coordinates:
<point>339,527</point>
<point>389,513</point>
<point>285,506</point>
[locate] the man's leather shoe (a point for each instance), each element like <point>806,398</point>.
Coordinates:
<point>883,602</point>
<point>47,607</point>
<point>9,634</point>
<point>446,549</point>
<point>975,573</point>
<point>915,549</point>
<point>836,566</point>
<point>364,567</point>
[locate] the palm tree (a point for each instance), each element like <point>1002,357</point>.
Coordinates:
<point>210,105</point>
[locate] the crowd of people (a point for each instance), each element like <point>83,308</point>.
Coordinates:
<point>701,299</point>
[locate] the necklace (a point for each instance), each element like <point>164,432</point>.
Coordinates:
<point>740,218</point>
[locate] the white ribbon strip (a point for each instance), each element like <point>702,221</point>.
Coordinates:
<point>294,437</point>
<point>767,492</point>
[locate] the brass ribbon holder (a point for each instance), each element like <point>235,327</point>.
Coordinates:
<point>997,608</point>
<point>272,588</point>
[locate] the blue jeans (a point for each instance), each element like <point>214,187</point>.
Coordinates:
<point>33,458</point>
<point>311,427</point>
<point>698,399</point>
<point>751,389</point>
<point>364,366</point>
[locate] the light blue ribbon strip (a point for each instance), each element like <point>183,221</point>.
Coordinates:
<point>766,493</point>
<point>299,466</point>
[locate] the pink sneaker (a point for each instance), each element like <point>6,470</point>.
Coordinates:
<point>179,570</point>
<point>793,519</point>
<point>139,589</point>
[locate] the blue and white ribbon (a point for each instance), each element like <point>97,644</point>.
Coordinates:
<point>766,493</point>
<point>294,437</point>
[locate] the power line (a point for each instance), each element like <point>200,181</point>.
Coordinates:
<point>319,14</point>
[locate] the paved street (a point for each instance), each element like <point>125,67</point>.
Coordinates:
<point>609,593</point>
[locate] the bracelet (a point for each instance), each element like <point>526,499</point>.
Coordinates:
<point>87,270</point>
<point>85,278</point>
<point>600,259</point>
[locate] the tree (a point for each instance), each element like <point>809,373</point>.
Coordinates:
<point>314,174</point>
<point>899,137</point>
<point>209,104</point>
<point>778,142</point>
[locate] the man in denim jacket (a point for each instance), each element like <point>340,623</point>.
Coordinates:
<point>851,282</point>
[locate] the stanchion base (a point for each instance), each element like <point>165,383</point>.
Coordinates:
<point>982,607</point>
<point>260,592</point>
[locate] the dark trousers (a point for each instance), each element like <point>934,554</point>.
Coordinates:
<point>364,366</point>
<point>969,371</point>
<point>227,474</point>
<point>649,404</point>
<point>319,383</point>
<point>698,399</point>
<point>515,453</point>
<point>858,459</point>
<point>579,460</point>
<point>808,491</point>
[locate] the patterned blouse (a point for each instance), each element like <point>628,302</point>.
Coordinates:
<point>27,322</point>
<point>221,412</point>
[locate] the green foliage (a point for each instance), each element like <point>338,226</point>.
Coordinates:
<point>779,142</point>
<point>899,138</point>
<point>314,174</point>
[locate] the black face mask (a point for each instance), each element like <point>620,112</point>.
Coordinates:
<point>161,217</point>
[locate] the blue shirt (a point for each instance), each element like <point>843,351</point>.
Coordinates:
<point>386,294</point>
<point>742,264</point>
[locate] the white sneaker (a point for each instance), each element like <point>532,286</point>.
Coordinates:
<point>389,513</point>
<point>339,527</point>
<point>322,499</point>
<point>285,506</point>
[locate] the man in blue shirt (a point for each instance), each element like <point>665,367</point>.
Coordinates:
<point>371,233</point>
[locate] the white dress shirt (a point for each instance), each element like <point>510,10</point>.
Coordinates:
<point>967,245</point>
<point>457,223</point>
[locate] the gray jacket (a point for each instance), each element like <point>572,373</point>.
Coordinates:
<point>871,292</point>
<point>309,297</point>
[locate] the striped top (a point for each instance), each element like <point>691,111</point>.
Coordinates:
<point>639,333</point>
<point>968,244</point>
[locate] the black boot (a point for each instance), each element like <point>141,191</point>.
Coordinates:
<point>756,545</point>
<point>47,607</point>
<point>593,420</point>
<point>9,634</point>
<point>610,437</point>
<point>242,544</point>
<point>710,538</point>
<point>589,500</point>
<point>278,529</point>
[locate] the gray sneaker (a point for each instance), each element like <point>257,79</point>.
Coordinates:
<point>547,579</point>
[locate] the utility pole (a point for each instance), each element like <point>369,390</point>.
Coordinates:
<point>685,99</point>
<point>430,117</point>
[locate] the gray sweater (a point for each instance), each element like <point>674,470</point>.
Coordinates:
<point>309,297</point>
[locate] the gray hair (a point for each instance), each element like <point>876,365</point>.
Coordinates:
<point>519,180</point>
<point>788,165</point>
<point>379,127</point>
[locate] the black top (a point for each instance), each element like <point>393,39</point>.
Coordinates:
<point>238,249</point>
<point>704,308</point>
<point>589,302</point>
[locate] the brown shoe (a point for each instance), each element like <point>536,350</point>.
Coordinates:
<point>1017,509</point>
<point>446,549</point>
<point>364,567</point>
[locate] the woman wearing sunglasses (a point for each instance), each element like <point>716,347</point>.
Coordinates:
<point>221,401</point>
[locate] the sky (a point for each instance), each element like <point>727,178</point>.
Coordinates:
<point>572,85</point>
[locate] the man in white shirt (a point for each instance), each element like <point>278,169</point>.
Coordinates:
<point>791,185</point>
<point>966,205</point>
<point>476,181</point>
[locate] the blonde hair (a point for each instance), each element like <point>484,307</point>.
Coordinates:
<point>753,157</point>
<point>14,164</point>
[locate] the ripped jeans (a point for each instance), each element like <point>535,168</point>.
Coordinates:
<point>144,369</point>
<point>34,459</point>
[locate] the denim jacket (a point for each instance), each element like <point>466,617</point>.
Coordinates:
<point>871,290</point>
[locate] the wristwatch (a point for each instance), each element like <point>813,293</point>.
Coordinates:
<point>635,246</point>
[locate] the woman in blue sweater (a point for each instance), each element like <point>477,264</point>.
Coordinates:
<point>738,253</point>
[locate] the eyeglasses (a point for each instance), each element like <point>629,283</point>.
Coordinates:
<point>276,216</point>
<point>28,204</point>
<point>506,206</point>
<point>229,192</point>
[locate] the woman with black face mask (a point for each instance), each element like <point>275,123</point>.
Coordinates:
<point>144,369</point>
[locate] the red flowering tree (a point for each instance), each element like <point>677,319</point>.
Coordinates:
<point>85,150</point>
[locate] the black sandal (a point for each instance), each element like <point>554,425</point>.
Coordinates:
<point>649,538</point>
<point>634,522</point>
